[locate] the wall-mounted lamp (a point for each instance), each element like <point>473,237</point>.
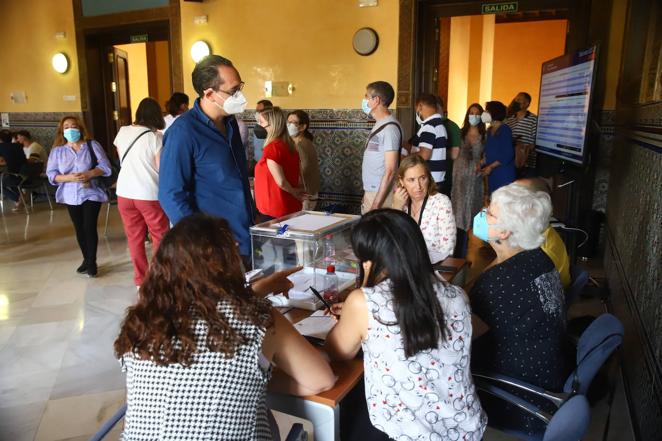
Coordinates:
<point>60,62</point>
<point>199,50</point>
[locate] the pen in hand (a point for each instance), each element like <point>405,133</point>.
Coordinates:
<point>319,296</point>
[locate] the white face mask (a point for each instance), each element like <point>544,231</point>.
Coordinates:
<point>233,104</point>
<point>486,117</point>
<point>474,119</point>
<point>419,120</point>
<point>292,129</point>
<point>365,106</point>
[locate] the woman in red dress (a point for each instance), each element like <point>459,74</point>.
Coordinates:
<point>277,190</point>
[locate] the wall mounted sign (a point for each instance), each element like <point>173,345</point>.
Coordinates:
<point>365,41</point>
<point>499,8</point>
<point>141,38</point>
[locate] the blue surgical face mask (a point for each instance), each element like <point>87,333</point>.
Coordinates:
<point>481,227</point>
<point>364,106</point>
<point>474,120</point>
<point>72,135</point>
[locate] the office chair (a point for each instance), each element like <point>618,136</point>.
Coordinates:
<point>461,244</point>
<point>579,279</point>
<point>569,423</point>
<point>112,200</point>
<point>595,346</point>
<point>33,184</point>
<point>2,191</point>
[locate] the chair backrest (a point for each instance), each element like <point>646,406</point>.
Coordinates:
<point>595,345</point>
<point>109,424</point>
<point>460,251</point>
<point>570,422</point>
<point>579,279</point>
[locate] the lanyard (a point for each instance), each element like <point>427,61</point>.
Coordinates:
<point>420,215</point>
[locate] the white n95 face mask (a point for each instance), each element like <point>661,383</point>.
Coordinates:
<point>486,117</point>
<point>292,129</point>
<point>234,104</point>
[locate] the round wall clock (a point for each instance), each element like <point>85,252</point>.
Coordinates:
<point>365,41</point>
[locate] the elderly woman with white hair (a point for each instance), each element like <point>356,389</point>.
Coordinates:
<point>519,298</point>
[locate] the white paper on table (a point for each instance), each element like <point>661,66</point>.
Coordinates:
<point>317,325</point>
<point>311,222</point>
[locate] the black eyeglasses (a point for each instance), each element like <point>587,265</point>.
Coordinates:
<point>235,90</point>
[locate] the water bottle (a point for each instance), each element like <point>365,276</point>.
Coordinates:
<point>329,250</point>
<point>331,285</point>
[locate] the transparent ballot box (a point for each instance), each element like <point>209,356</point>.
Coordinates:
<point>313,240</point>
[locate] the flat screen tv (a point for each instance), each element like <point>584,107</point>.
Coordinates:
<point>566,91</point>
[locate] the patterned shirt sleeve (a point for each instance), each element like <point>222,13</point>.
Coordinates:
<point>446,226</point>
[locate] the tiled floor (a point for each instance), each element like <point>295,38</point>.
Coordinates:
<point>59,379</point>
<point>58,376</point>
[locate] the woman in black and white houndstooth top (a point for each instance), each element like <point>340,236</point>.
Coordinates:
<point>197,348</point>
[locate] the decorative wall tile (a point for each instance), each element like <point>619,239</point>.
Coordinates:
<point>41,125</point>
<point>603,158</point>
<point>339,137</point>
<point>633,264</point>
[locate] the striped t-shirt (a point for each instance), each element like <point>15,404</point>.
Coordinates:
<point>524,131</point>
<point>432,135</point>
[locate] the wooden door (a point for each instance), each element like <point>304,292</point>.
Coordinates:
<point>121,102</point>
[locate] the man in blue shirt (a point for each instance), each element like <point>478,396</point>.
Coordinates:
<point>203,162</point>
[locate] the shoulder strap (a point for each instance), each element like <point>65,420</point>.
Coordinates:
<point>372,135</point>
<point>131,145</point>
<point>93,155</point>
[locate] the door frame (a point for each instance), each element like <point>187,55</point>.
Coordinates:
<point>427,53</point>
<point>94,34</point>
<point>115,74</point>
<point>419,40</point>
<point>416,68</point>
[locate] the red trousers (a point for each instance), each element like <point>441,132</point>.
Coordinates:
<point>139,216</point>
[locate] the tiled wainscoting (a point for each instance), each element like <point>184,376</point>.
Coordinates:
<point>339,138</point>
<point>633,261</point>
<point>603,160</point>
<point>41,125</point>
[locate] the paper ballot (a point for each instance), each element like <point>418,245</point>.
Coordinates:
<point>316,325</point>
<point>312,222</point>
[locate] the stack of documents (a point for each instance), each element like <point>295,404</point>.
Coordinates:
<point>316,325</point>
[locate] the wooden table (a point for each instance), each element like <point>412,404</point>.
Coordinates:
<point>323,409</point>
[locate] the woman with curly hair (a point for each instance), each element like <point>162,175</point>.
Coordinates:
<point>198,346</point>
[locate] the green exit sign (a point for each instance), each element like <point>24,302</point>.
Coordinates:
<point>499,8</point>
<point>142,38</point>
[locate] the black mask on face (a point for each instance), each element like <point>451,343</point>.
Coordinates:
<point>515,107</point>
<point>260,132</point>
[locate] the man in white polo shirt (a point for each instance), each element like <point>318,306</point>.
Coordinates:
<point>382,149</point>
